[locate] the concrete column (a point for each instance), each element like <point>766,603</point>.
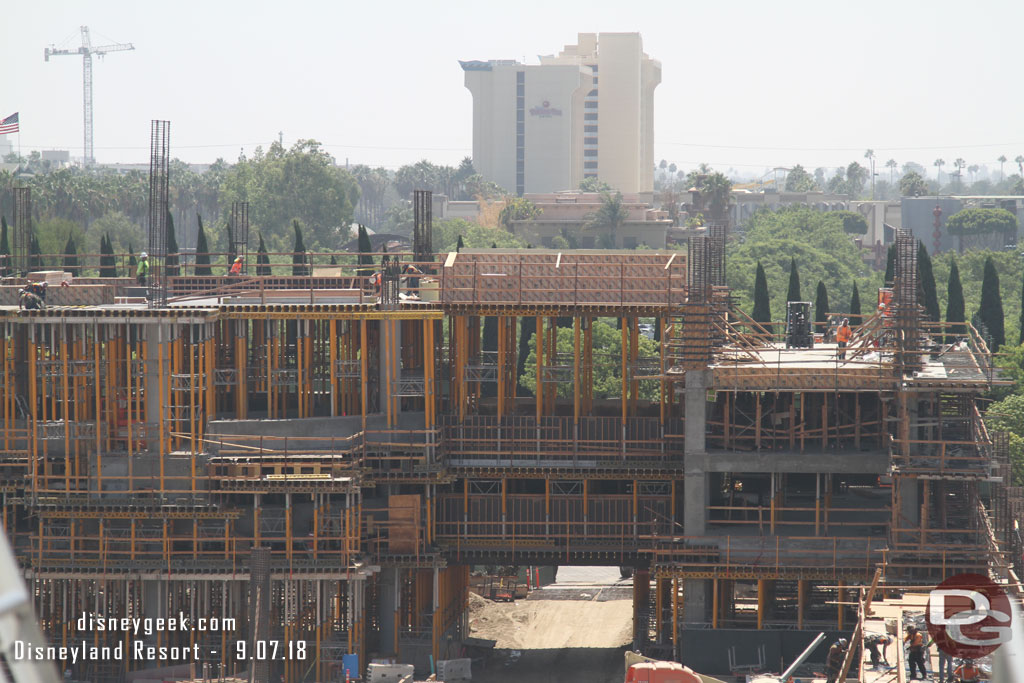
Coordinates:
<point>154,606</point>
<point>155,333</point>
<point>696,601</point>
<point>641,603</point>
<point>695,484</point>
<point>695,411</point>
<point>387,607</point>
<point>910,507</point>
<point>696,592</point>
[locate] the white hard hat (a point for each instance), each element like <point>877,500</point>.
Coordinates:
<point>143,255</point>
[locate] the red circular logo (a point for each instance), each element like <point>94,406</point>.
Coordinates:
<point>968,616</point>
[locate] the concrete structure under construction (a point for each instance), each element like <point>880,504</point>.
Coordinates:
<point>586,112</point>
<point>320,464</point>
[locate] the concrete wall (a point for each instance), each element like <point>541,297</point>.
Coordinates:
<point>917,217</point>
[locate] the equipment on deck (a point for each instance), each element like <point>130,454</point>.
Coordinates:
<point>799,334</point>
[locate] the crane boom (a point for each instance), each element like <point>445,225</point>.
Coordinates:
<point>87,51</point>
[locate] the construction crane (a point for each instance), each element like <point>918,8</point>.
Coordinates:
<point>87,51</point>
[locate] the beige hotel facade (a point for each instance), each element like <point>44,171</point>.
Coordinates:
<point>587,112</point>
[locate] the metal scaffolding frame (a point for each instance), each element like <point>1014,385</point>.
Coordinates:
<point>159,193</point>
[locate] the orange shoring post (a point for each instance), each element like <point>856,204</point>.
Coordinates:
<point>539,388</point>
<point>332,342</point>
<point>300,365</point>
<point>67,405</point>
<point>99,413</point>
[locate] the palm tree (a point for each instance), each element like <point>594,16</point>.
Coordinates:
<point>609,217</point>
<point>1020,164</point>
<point>870,156</point>
<point>891,165</point>
<point>960,164</point>
<point>939,163</point>
<point>1001,160</point>
<point>972,169</point>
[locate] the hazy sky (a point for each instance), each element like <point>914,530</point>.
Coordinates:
<point>747,85</point>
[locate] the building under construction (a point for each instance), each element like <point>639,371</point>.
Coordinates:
<point>321,459</point>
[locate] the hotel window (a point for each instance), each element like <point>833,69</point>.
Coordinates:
<point>590,117</point>
<point>520,132</point>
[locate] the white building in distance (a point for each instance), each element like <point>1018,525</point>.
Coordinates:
<point>588,112</point>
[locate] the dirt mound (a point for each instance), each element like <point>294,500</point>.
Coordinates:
<point>543,624</point>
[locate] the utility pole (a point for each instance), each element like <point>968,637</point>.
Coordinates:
<point>87,51</point>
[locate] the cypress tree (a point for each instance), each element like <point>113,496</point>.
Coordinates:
<point>171,258</point>
<point>793,293</point>
<point>107,268</point>
<point>954,305</point>
<point>821,307</point>
<point>334,260</point>
<point>298,252</point>
<point>890,265</point>
<point>991,308</point>
<point>35,254</point>
<point>855,306</point>
<point>926,277</point>
<point>131,258</point>
<point>202,251</point>
<point>762,312</point>
<point>5,248</point>
<point>1022,312</point>
<point>460,244</point>
<point>262,259</point>
<point>365,251</point>
<point>71,256</point>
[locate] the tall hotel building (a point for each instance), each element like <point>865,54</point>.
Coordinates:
<point>589,112</point>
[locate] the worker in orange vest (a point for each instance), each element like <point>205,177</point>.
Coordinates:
<point>915,651</point>
<point>967,672</point>
<point>843,336</point>
<point>236,267</point>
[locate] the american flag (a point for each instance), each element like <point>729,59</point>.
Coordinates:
<point>10,124</point>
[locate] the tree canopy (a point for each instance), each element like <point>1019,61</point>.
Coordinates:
<point>301,183</point>
<point>981,222</point>
<point>812,240</point>
<point>607,370</point>
<point>913,185</point>
<point>517,209</point>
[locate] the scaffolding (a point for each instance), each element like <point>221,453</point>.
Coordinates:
<point>159,195</point>
<point>375,451</point>
<point>23,235</point>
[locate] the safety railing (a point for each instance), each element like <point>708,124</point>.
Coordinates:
<point>559,439</point>
<point>517,279</point>
<point>777,555</point>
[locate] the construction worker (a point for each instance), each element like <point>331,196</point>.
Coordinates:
<point>945,672</point>
<point>32,296</point>
<point>968,672</point>
<point>834,661</point>
<point>142,269</point>
<point>412,282</point>
<point>843,336</point>
<point>375,280</point>
<point>872,641</point>
<point>915,651</point>
<point>236,268</point>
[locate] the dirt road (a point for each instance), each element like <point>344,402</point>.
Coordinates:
<point>548,638</point>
